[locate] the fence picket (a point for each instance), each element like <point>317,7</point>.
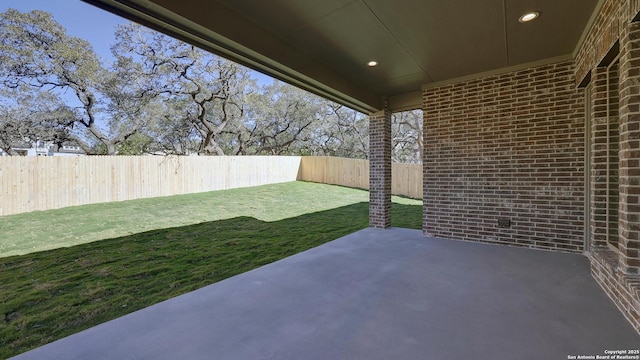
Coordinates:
<point>43,183</point>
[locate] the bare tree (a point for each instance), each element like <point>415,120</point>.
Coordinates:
<point>163,96</point>
<point>278,121</point>
<point>345,133</point>
<point>406,133</point>
<point>210,91</point>
<point>36,53</point>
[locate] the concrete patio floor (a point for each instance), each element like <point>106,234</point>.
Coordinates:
<point>376,294</point>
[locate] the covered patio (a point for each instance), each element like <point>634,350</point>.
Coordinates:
<point>375,294</point>
<point>531,139</point>
<point>531,107</point>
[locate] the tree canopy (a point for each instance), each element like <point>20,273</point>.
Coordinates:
<point>163,96</point>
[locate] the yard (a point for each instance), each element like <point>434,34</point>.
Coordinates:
<point>62,271</point>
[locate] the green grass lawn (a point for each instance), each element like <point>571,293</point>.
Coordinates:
<point>65,270</point>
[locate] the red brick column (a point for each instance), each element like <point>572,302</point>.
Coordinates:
<point>629,213</point>
<point>599,157</point>
<point>380,169</point>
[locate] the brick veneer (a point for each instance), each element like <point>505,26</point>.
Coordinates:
<point>605,31</point>
<point>507,146</point>
<point>380,169</point>
<point>629,163</point>
<point>599,157</point>
<point>605,137</point>
<point>615,268</point>
<point>623,289</point>
<point>604,155</point>
<point>511,147</point>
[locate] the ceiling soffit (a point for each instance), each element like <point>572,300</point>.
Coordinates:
<point>324,46</point>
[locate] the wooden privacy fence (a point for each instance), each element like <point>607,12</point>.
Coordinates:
<point>42,183</point>
<point>406,179</point>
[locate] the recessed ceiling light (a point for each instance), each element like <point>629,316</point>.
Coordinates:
<point>372,63</point>
<point>529,16</point>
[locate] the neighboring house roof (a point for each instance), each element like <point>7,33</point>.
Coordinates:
<point>21,145</point>
<point>71,149</point>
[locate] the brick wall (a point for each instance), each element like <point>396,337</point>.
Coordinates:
<point>605,138</point>
<point>623,290</point>
<point>605,31</point>
<point>629,147</point>
<point>507,146</point>
<point>380,169</point>
<point>511,147</point>
<point>615,152</point>
<point>600,219</point>
<point>614,147</point>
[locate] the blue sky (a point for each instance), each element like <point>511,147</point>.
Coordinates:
<point>86,22</point>
<point>80,19</point>
<point>89,23</point>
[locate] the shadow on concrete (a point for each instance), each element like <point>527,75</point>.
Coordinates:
<point>376,294</point>
<point>52,294</point>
